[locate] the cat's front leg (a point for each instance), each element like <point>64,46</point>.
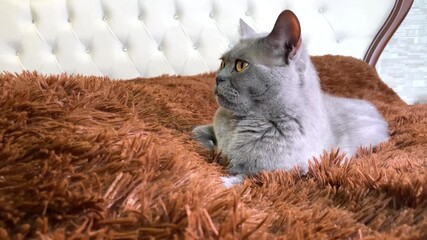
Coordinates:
<point>251,154</point>
<point>206,136</point>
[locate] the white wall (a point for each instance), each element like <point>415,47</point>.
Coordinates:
<point>403,64</point>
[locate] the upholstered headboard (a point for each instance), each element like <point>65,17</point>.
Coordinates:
<point>124,39</point>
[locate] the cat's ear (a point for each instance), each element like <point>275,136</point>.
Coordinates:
<point>287,34</point>
<point>245,30</point>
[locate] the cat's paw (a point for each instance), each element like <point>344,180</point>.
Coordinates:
<point>232,180</point>
<point>205,135</point>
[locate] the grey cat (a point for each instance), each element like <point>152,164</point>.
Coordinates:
<point>273,114</point>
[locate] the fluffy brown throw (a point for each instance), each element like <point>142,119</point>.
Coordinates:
<point>88,157</point>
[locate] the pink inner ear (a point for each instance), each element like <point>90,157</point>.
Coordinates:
<point>286,29</point>
<point>295,49</point>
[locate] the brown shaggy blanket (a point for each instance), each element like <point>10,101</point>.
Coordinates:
<point>88,157</point>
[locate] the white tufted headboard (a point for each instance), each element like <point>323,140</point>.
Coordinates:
<point>125,39</point>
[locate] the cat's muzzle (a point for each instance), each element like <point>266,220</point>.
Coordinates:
<point>219,79</point>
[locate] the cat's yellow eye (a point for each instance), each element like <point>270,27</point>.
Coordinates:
<point>241,65</point>
<point>222,66</point>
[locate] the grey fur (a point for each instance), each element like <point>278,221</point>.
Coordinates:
<point>273,115</point>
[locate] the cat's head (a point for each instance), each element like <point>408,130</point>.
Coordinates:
<point>260,66</point>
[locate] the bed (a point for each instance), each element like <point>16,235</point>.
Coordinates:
<point>99,99</point>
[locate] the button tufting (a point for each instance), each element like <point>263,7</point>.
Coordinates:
<point>165,36</point>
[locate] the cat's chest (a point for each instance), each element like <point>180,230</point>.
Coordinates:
<point>251,128</point>
<point>258,128</point>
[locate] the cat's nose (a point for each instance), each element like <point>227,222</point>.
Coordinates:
<point>219,79</point>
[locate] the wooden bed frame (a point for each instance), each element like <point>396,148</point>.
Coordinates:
<point>399,12</point>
